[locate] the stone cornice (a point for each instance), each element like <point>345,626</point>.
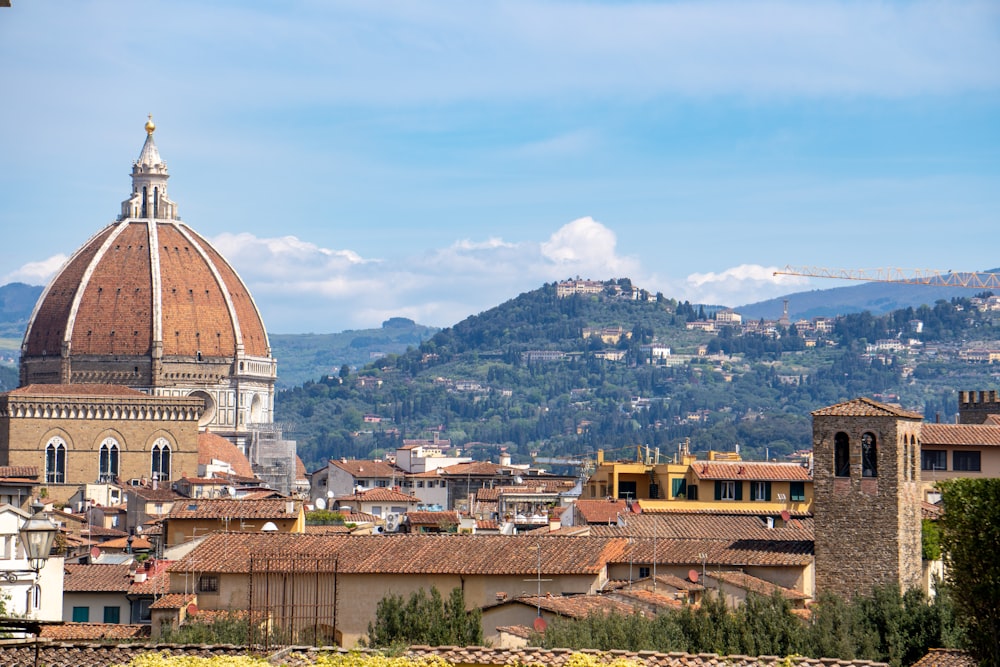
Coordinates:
<point>100,407</point>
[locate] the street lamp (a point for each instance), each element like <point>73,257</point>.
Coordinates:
<point>37,535</point>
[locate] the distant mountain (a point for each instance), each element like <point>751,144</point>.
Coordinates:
<point>304,357</point>
<point>877,298</point>
<point>16,303</point>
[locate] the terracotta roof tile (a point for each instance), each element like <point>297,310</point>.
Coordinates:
<point>159,494</point>
<point>575,606</point>
<point>759,586</point>
<point>231,508</point>
<point>138,543</point>
<point>865,407</point>
<point>522,631</point>
<point>96,578</point>
<point>600,511</point>
<point>976,435</point>
<point>730,553</point>
<point>708,525</point>
<point>751,470</point>
<point>80,654</point>
<point>363,468</point>
<point>212,446</point>
<point>408,554</point>
<point>946,657</point>
<point>93,631</point>
<point>479,468</point>
<point>423,518</point>
<point>380,495</point>
<point>72,390</point>
<point>174,601</point>
<point>6,472</point>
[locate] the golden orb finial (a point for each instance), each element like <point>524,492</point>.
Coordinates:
<point>150,125</point>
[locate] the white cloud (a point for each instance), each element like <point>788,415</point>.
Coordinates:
<point>738,285</point>
<point>35,273</point>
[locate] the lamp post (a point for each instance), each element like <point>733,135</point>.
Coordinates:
<point>37,535</point>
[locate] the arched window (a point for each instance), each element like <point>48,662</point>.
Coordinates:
<point>109,461</point>
<point>145,197</point>
<point>841,455</point>
<point>55,461</point>
<point>869,455</point>
<point>160,468</point>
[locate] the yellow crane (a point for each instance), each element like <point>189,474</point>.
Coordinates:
<point>970,279</point>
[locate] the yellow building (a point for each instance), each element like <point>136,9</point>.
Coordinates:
<point>720,481</point>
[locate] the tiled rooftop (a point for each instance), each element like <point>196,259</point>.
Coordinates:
<point>7,472</point>
<point>730,553</point>
<point>212,446</point>
<point>408,554</point>
<point>865,407</point>
<point>364,469</point>
<point>94,578</point>
<point>174,601</point>
<point>751,470</point>
<point>93,631</point>
<point>380,495</point>
<point>600,511</point>
<point>708,525</point>
<point>66,654</point>
<point>946,657</point>
<point>230,508</point>
<point>423,518</point>
<point>977,435</point>
<point>77,390</point>
<point>575,606</point>
<point>755,585</point>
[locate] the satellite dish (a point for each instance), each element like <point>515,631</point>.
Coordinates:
<point>95,552</point>
<point>540,624</point>
<point>192,609</point>
<point>518,480</point>
<point>269,527</point>
<point>320,503</point>
<point>329,494</point>
<point>138,529</point>
<point>693,576</point>
<point>785,515</point>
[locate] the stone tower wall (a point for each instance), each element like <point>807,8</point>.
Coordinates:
<point>975,406</point>
<point>867,529</point>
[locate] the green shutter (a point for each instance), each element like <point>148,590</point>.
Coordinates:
<point>112,614</point>
<point>718,490</point>
<point>81,614</point>
<point>797,490</point>
<point>739,490</point>
<point>767,491</point>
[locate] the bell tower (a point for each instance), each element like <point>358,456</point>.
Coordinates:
<point>866,507</point>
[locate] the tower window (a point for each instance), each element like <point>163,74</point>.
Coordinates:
<point>109,461</point>
<point>160,468</point>
<point>55,462</point>
<point>841,455</point>
<point>869,455</point>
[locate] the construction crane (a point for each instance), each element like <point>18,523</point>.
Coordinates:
<point>971,280</point>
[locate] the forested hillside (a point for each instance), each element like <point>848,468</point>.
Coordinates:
<point>523,376</point>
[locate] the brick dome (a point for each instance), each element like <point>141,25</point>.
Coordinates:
<point>138,285</point>
<point>148,303</point>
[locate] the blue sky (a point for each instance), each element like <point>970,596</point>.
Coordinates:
<point>361,160</point>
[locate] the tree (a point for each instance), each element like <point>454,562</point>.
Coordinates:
<point>425,619</point>
<point>970,533</point>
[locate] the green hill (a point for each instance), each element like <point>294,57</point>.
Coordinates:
<point>522,376</point>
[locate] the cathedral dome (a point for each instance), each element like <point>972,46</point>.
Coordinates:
<point>147,302</point>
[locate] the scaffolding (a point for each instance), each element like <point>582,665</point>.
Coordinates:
<point>272,456</point>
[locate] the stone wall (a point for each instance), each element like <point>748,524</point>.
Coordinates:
<point>867,529</point>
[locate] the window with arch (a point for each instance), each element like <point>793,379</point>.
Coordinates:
<point>869,455</point>
<point>55,461</point>
<point>160,467</point>
<point>109,460</point>
<point>841,455</point>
